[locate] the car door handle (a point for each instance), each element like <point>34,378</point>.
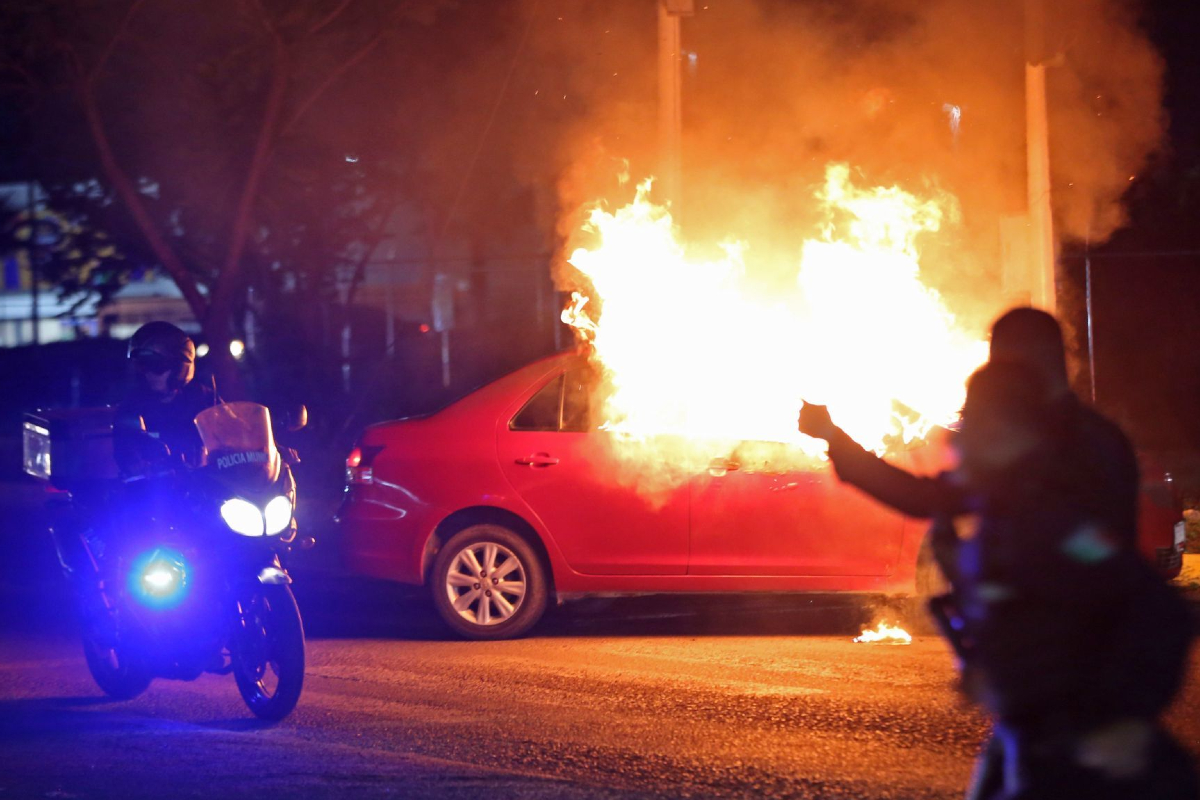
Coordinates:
<point>538,460</point>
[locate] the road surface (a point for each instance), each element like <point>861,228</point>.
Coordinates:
<point>610,698</point>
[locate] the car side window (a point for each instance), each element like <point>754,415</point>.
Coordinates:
<point>541,412</point>
<point>576,413</point>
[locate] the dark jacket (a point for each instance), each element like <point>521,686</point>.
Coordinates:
<point>1070,628</point>
<point>171,424</point>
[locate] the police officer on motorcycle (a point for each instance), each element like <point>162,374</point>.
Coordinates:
<point>153,429</point>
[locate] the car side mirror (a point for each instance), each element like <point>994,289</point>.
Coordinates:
<point>296,418</point>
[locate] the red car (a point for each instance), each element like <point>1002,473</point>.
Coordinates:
<point>506,498</point>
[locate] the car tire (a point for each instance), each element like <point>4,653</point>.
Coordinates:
<point>487,582</point>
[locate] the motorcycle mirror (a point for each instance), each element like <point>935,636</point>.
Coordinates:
<point>297,418</point>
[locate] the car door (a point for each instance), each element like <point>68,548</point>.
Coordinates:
<point>787,522</point>
<point>566,471</point>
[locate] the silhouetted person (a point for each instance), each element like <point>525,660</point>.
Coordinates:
<point>1098,449</point>
<point>1095,451</point>
<point>153,430</point>
<point>1068,638</point>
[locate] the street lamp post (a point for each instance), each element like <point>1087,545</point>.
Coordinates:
<point>1037,143</point>
<point>34,273</point>
<point>670,90</point>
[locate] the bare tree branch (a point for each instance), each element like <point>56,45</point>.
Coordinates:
<point>121,182</point>
<point>330,17</point>
<point>27,77</point>
<point>334,75</point>
<point>106,54</point>
<point>378,234</point>
<point>227,280</point>
<point>133,201</point>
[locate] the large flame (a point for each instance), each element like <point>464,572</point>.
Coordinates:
<point>699,359</point>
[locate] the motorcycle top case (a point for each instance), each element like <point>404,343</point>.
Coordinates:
<point>70,447</point>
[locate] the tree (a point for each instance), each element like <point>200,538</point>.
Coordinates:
<point>198,125</point>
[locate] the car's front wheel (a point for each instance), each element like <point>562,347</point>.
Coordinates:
<point>488,583</point>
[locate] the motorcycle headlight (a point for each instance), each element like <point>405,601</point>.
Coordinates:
<point>242,517</point>
<point>278,514</point>
<point>159,578</point>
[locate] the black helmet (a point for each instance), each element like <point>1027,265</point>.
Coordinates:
<point>160,347</point>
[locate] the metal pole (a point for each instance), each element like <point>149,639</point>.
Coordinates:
<point>1037,151</point>
<point>446,359</point>
<point>670,89</point>
<point>31,204</point>
<point>1041,226</point>
<point>391,311</point>
<point>1087,280</point>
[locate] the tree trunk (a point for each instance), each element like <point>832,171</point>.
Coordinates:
<point>133,201</point>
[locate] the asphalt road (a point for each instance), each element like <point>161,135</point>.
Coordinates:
<point>651,697</point>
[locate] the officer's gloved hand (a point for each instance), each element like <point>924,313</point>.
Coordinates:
<point>151,458</point>
<point>816,422</point>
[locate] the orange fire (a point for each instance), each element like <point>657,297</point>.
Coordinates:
<point>884,634</point>
<point>700,360</point>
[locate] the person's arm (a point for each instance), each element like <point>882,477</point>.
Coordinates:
<point>909,494</point>
<point>136,451</point>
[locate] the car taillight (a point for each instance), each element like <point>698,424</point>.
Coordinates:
<point>358,464</point>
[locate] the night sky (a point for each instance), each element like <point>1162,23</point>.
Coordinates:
<point>1146,280</point>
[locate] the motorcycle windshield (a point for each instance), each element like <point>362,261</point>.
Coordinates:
<point>238,441</point>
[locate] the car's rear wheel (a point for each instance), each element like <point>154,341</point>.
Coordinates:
<point>488,583</point>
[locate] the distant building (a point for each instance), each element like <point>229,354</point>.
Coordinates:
<point>30,313</point>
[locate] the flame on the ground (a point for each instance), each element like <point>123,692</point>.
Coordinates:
<point>885,634</point>
<point>698,358</point>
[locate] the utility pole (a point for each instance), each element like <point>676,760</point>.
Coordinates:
<point>1042,250</point>
<point>33,252</point>
<point>670,91</point>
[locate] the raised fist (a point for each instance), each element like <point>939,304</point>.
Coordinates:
<point>816,422</point>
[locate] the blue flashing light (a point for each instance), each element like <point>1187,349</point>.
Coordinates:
<point>159,578</point>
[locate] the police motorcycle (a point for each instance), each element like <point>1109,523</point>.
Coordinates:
<point>187,570</point>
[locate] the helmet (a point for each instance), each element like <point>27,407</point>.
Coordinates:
<point>159,348</point>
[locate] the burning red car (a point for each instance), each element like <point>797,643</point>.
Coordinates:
<point>510,497</point>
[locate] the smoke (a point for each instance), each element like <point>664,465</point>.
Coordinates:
<point>924,94</point>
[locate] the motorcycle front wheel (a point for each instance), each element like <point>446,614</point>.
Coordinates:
<point>117,674</point>
<point>267,652</point>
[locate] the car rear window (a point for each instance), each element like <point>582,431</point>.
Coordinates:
<point>563,404</point>
<point>540,412</point>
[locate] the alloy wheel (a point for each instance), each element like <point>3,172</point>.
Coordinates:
<point>485,583</point>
